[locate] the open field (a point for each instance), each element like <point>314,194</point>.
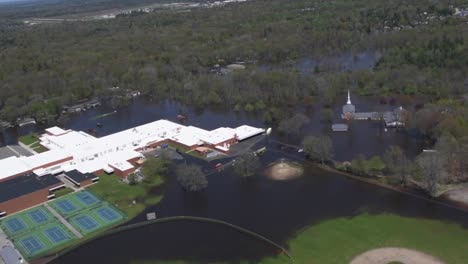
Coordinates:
<point>122,195</point>
<point>340,240</point>
<point>28,139</point>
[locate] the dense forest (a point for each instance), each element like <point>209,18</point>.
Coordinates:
<point>171,55</point>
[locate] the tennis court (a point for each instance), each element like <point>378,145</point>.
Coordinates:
<point>87,198</point>
<point>56,234</point>
<point>38,216</point>
<point>23,222</point>
<point>73,203</point>
<point>43,239</point>
<point>15,225</point>
<point>108,214</point>
<point>31,244</point>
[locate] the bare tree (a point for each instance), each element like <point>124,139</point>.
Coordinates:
<point>294,125</point>
<point>246,164</point>
<point>191,177</point>
<point>397,164</point>
<point>318,148</point>
<point>432,169</point>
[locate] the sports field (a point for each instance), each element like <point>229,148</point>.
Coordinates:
<point>86,212</point>
<point>95,219</point>
<point>74,203</point>
<point>25,221</point>
<point>43,239</point>
<point>35,231</point>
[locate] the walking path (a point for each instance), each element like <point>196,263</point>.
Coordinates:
<point>67,183</point>
<point>8,253</point>
<point>65,222</point>
<point>387,255</point>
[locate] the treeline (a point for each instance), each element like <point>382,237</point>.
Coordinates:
<point>171,54</point>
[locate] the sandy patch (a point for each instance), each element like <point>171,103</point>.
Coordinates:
<point>458,195</point>
<point>282,171</point>
<point>387,255</point>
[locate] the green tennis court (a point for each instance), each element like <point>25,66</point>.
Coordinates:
<point>23,222</point>
<point>71,204</point>
<point>95,219</point>
<point>43,239</point>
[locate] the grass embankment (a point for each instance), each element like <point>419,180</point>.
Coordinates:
<point>122,195</point>
<point>62,192</point>
<point>339,240</point>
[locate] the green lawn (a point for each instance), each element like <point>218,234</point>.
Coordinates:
<point>40,149</point>
<point>122,195</point>
<point>62,192</point>
<point>28,139</point>
<point>339,240</point>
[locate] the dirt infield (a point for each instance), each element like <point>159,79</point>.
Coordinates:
<point>283,171</point>
<point>387,255</point>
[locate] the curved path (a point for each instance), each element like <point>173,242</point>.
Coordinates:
<point>389,254</point>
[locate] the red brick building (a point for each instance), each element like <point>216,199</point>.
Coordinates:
<point>26,191</point>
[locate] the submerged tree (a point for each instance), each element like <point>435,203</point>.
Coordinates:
<point>191,177</point>
<point>432,169</point>
<point>246,164</point>
<point>397,164</point>
<point>293,125</point>
<point>318,148</point>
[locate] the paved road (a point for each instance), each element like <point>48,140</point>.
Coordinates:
<point>65,222</point>
<point>8,254</point>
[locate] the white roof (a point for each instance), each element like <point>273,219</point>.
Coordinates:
<point>12,166</point>
<point>122,165</point>
<point>41,159</point>
<point>190,136</point>
<point>56,131</point>
<point>91,154</point>
<point>70,140</point>
<point>245,131</point>
<point>219,135</point>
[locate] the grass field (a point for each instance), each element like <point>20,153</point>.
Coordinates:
<point>339,240</point>
<point>122,195</point>
<point>62,192</point>
<point>28,139</point>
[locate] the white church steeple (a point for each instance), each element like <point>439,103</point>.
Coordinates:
<point>349,98</point>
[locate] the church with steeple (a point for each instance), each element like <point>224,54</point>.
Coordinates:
<point>348,109</point>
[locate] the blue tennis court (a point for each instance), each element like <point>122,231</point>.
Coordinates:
<point>56,234</point>
<point>38,216</point>
<point>86,222</point>
<point>15,225</point>
<point>87,198</point>
<point>66,206</point>
<point>31,244</point>
<point>108,214</point>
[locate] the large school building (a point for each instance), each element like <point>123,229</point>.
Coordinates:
<point>79,156</point>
